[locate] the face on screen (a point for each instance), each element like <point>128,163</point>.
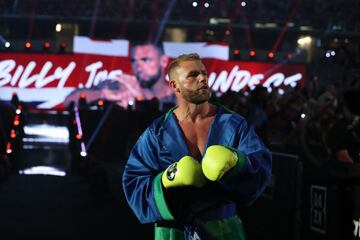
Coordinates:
<point>146,65</point>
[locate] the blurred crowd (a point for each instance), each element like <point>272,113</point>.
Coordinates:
<point>320,124</point>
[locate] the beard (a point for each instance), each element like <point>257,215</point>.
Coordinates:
<point>149,83</point>
<point>197,96</point>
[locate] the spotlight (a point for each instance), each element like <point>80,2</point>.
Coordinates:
<point>271,55</point>
<point>252,53</point>
<point>12,133</point>
<point>28,45</point>
<point>58,27</point>
<point>100,103</point>
<point>7,44</point>
<point>330,53</point>
<point>235,55</point>
<point>8,148</point>
<point>16,121</point>
<point>46,46</point>
<point>304,42</point>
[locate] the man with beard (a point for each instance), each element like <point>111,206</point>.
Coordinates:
<point>148,63</point>
<point>194,166</point>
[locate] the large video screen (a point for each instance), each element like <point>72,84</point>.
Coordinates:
<point>122,71</point>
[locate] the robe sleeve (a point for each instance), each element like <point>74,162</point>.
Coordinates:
<point>141,181</point>
<point>252,173</point>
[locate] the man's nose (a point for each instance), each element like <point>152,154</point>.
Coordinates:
<point>138,65</point>
<point>202,78</point>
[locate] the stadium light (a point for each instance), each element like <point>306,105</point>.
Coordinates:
<point>252,53</point>
<point>271,55</point>
<point>27,45</point>
<point>304,42</point>
<point>58,27</point>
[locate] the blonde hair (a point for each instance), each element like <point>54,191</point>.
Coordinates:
<point>182,58</point>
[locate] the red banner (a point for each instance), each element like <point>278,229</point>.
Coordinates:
<point>236,75</point>
<point>50,70</point>
<point>46,79</point>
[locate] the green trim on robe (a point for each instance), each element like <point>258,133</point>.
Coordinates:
<point>160,200</point>
<point>164,233</point>
<point>225,229</point>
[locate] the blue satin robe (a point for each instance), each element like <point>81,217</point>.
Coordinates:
<point>163,143</point>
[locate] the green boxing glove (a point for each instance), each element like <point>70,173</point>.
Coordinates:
<point>217,161</point>
<point>186,172</point>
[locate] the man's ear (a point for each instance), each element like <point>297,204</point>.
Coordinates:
<point>173,86</point>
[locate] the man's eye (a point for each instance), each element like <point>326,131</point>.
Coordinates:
<point>146,59</point>
<point>193,74</point>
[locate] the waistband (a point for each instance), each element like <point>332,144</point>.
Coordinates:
<point>223,211</point>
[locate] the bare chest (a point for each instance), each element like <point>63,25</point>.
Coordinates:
<point>196,135</point>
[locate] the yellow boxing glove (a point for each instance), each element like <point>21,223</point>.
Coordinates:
<point>217,161</point>
<point>186,172</point>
